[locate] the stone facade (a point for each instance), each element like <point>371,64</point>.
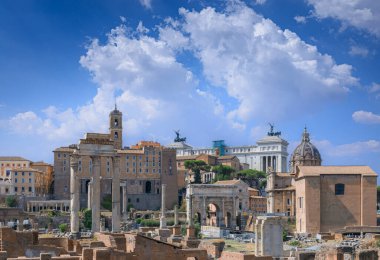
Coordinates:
<point>220,204</point>
<point>143,168</point>
<point>268,239</point>
<point>332,197</point>
<point>270,151</point>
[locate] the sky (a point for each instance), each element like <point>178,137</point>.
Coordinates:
<point>213,69</point>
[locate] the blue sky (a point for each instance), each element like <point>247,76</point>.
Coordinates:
<point>214,69</point>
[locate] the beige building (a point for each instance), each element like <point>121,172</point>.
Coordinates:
<point>20,176</point>
<point>281,186</point>
<point>144,167</point>
<point>332,197</point>
<point>257,203</point>
<point>27,181</point>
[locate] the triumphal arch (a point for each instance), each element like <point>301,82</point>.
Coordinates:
<point>217,204</point>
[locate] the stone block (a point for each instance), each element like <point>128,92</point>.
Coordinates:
<point>101,254</point>
<point>45,256</point>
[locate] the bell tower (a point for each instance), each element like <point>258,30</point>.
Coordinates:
<point>116,128</point>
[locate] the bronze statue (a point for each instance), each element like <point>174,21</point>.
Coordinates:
<point>271,132</point>
<point>178,138</point>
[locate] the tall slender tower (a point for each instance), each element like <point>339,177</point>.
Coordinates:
<point>116,128</point>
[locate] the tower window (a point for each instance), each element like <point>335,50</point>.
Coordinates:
<point>339,189</point>
<point>116,122</point>
<point>116,135</point>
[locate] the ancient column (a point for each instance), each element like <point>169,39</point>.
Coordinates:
<point>74,193</point>
<point>125,200</point>
<point>162,217</point>
<point>203,217</point>
<point>175,215</point>
<point>116,195</point>
<point>189,210</point>
<point>96,194</point>
<point>89,194</point>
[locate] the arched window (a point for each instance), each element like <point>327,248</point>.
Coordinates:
<point>339,189</point>
<point>116,122</point>
<point>148,187</point>
<point>116,135</point>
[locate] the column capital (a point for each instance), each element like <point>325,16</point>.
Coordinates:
<point>74,158</point>
<point>95,160</point>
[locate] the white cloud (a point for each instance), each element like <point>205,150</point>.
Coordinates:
<point>146,3</point>
<point>351,149</point>
<point>362,14</point>
<point>260,2</point>
<point>300,19</point>
<point>358,51</point>
<point>366,117</point>
<point>375,87</point>
<point>264,71</point>
<point>260,65</point>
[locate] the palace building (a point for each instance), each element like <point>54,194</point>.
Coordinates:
<point>141,169</point>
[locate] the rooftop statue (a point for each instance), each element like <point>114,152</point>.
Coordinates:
<point>271,132</point>
<point>178,138</point>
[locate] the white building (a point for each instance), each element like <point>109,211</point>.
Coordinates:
<point>270,151</point>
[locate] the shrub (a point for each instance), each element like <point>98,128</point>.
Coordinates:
<point>87,218</point>
<point>62,227</point>
<point>294,243</point>
<point>11,201</point>
<point>150,223</point>
<point>107,202</point>
<point>138,220</point>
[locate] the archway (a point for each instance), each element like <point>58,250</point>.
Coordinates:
<point>148,187</point>
<point>197,218</point>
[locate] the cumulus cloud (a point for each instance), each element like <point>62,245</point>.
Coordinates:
<point>257,63</point>
<point>351,149</point>
<point>366,117</point>
<point>358,51</point>
<point>146,3</point>
<point>361,14</point>
<point>300,19</point>
<point>263,71</point>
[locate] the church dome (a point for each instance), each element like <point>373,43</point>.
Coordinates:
<point>305,154</point>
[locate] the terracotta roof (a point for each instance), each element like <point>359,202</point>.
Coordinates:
<point>257,197</point>
<point>41,163</point>
<point>26,169</point>
<point>226,157</point>
<point>228,182</point>
<point>284,189</point>
<point>187,157</point>
<point>341,170</point>
<point>12,158</point>
<point>64,149</point>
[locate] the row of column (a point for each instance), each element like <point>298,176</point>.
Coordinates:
<point>42,205</point>
<point>94,194</point>
<point>269,161</point>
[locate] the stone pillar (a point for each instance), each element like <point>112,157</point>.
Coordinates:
<point>96,194</point>
<point>163,204</point>
<point>125,200</point>
<point>203,217</point>
<point>89,194</point>
<point>74,192</point>
<point>189,210</point>
<point>20,226</point>
<point>116,195</point>
<point>175,215</point>
<point>268,240</point>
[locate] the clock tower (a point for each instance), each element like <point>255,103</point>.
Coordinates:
<point>116,128</point>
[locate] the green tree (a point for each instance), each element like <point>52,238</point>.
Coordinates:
<point>223,172</point>
<point>87,218</point>
<point>107,202</point>
<point>254,178</point>
<point>11,201</point>
<point>62,227</point>
<point>196,166</point>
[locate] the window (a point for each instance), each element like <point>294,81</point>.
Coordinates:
<point>16,189</point>
<point>289,202</point>
<point>148,187</point>
<point>30,174</point>
<point>339,189</point>
<point>23,189</point>
<point>15,180</point>
<point>23,180</point>
<point>116,135</point>
<point>30,180</point>
<point>30,189</point>
<point>137,200</point>
<point>15,173</point>
<point>300,199</point>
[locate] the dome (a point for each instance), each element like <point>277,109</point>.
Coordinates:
<point>305,153</point>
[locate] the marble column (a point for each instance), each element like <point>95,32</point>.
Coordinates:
<point>116,195</point>
<point>175,215</point>
<point>162,217</point>
<point>125,200</point>
<point>189,210</point>
<point>89,194</point>
<point>203,217</point>
<point>96,194</point>
<point>74,192</point>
